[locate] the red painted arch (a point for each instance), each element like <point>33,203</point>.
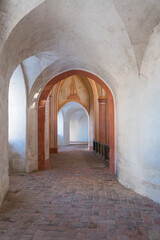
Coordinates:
<point>42,162</point>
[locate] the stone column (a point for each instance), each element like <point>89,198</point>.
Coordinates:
<point>102,120</point>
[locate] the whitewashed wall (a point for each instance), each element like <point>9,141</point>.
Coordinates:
<point>60,126</point>
<point>17,122</point>
<point>79,127</point>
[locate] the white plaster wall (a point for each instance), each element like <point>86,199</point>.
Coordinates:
<point>60,126</point>
<point>34,65</point>
<point>11,13</point>
<point>17,122</point>
<point>32,139</point>
<point>147,122</point>
<point>66,129</point>
<point>79,127</point>
<point>83,128</point>
<point>138,140</point>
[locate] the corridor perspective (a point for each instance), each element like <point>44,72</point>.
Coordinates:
<point>78,199</point>
<point>80,119</point>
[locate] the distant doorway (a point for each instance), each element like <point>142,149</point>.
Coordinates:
<point>72,127</point>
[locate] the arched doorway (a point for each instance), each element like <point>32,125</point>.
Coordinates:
<point>42,162</point>
<point>72,125</point>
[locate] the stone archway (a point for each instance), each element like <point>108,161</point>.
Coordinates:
<point>42,162</point>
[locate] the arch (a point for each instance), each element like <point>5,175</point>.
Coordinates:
<point>41,115</point>
<point>73,100</point>
<point>68,110</point>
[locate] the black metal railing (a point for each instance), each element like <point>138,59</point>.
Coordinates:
<point>102,150</point>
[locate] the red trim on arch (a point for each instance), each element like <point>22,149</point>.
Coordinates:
<point>41,116</point>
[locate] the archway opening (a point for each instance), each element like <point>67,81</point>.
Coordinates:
<point>42,161</point>
<point>73,129</point>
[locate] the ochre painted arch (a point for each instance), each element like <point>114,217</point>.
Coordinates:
<point>42,162</point>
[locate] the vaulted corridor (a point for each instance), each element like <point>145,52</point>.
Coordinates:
<point>88,73</point>
<point>76,199</point>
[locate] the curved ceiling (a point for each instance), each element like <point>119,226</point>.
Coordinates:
<point>109,36</point>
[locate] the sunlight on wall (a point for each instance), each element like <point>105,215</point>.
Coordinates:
<point>60,126</point>
<point>17,121</point>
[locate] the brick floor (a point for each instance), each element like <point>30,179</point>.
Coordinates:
<point>76,199</point>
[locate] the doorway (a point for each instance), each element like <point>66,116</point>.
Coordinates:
<point>73,127</point>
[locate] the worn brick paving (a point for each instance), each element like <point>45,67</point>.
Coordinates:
<point>76,201</point>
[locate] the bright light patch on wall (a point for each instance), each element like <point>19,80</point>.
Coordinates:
<point>17,120</point>
<point>60,126</point>
<point>33,105</point>
<point>17,106</point>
